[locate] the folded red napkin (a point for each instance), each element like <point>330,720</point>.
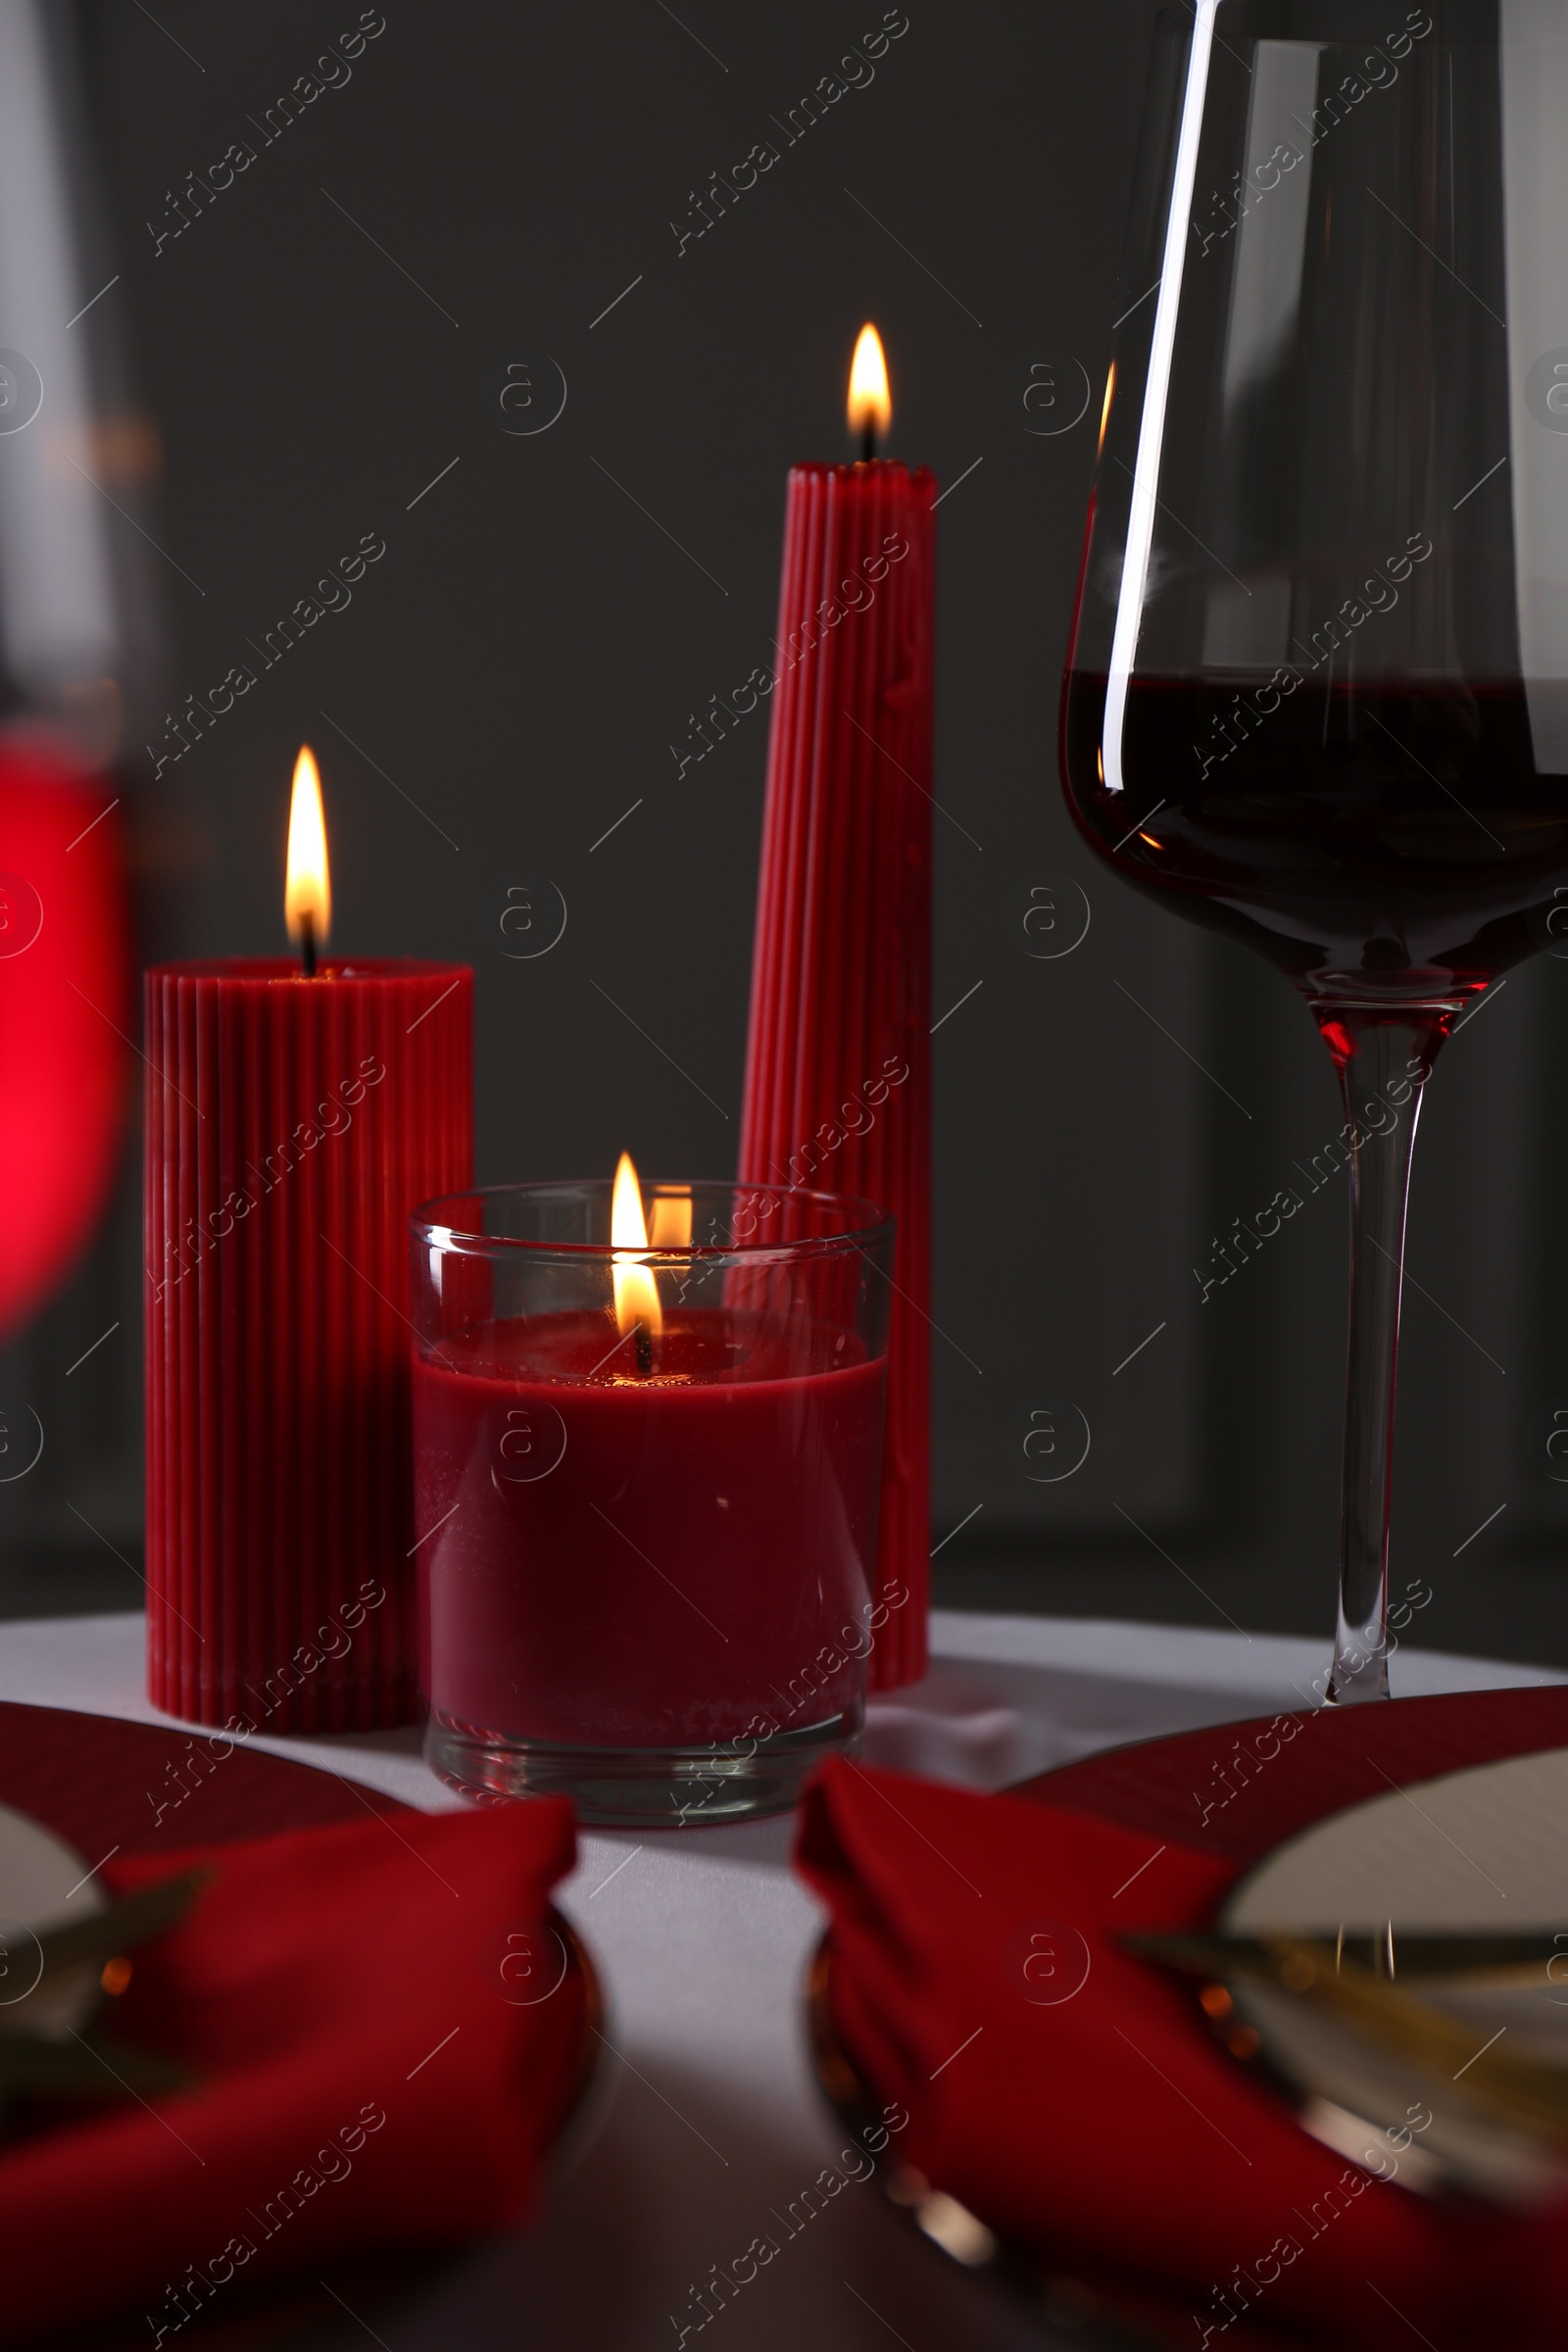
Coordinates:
<point>1072,2097</point>
<point>387,2036</point>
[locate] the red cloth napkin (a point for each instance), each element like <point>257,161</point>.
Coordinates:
<point>386,2041</point>
<point>1104,2127</point>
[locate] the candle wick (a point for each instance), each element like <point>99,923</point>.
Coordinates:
<point>307,945</point>
<point>868,441</point>
<point>642,1346</point>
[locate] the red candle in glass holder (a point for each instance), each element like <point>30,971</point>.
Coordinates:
<point>553,1613</point>
<point>837,1065</point>
<point>296,1112</point>
<point>646,1485</point>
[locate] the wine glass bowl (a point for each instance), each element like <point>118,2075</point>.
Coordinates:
<point>1316,696</point>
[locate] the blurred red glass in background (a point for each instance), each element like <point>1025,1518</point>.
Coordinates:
<point>64,1003</point>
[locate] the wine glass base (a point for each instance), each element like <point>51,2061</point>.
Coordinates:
<point>1357,1678</point>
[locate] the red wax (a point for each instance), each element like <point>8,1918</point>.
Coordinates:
<point>292,1125</point>
<point>838,1072</point>
<point>624,1561</point>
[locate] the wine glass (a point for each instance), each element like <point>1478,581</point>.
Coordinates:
<point>1317,689</point>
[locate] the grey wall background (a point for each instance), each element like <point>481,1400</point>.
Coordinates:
<point>324,347</point>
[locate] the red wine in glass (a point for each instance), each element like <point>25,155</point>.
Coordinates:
<point>1317,691</point>
<point>1401,831</point>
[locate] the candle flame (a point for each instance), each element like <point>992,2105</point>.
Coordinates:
<point>308,892</point>
<point>636,1291</point>
<point>871,402</point>
<point>1105,413</point>
<point>671,1228</point>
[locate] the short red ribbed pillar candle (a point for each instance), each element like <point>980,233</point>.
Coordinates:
<point>292,1124</point>
<point>838,1070</point>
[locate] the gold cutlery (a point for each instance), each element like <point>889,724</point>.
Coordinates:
<point>1526,2092</point>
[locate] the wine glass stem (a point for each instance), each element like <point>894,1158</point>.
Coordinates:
<point>1381,1078</point>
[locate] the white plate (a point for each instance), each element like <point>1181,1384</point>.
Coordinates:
<point>1479,1851</point>
<point>43,1883</point>
<point>1482,1850</point>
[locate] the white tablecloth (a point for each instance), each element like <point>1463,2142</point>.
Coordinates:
<point>701,1937</point>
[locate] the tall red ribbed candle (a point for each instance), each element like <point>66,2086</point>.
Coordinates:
<point>292,1124</point>
<point>838,1070</point>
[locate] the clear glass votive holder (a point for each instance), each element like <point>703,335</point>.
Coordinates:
<point>646,1490</point>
